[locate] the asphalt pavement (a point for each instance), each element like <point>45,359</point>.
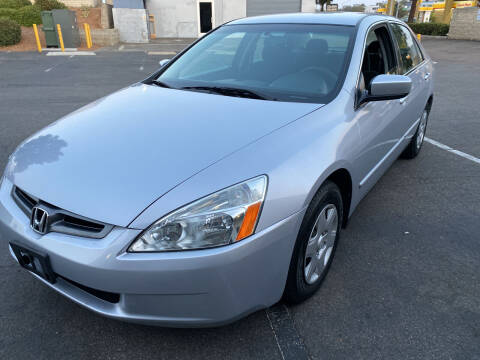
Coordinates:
<point>405,281</point>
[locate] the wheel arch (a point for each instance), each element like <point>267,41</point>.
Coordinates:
<point>340,176</point>
<point>343,180</point>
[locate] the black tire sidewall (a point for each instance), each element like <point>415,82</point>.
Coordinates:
<point>297,289</point>
<point>412,150</point>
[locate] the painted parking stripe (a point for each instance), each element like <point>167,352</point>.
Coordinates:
<point>70,53</point>
<point>453,151</point>
<point>288,340</point>
<point>162,53</point>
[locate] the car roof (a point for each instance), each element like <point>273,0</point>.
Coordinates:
<point>333,18</point>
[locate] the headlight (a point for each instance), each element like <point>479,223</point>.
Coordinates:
<point>222,218</point>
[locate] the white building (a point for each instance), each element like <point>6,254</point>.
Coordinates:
<point>371,9</point>
<point>193,18</point>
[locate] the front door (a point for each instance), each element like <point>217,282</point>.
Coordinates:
<point>379,122</point>
<point>205,11</point>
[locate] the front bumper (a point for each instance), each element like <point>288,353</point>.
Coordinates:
<point>191,288</point>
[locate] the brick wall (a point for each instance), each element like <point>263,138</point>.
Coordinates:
<point>464,24</point>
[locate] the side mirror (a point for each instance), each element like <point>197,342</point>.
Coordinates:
<point>388,87</point>
<point>163,62</point>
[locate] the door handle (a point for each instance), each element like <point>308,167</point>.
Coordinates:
<point>427,76</point>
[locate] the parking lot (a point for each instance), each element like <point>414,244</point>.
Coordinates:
<point>405,282</point>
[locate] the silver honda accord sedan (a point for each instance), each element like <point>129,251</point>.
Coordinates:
<point>219,184</point>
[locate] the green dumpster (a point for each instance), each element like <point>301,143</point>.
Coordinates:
<point>49,29</point>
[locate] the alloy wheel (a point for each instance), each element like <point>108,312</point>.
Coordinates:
<point>320,243</point>
<point>421,129</point>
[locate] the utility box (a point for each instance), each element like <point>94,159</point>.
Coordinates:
<point>68,23</point>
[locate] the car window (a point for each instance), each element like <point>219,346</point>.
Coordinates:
<point>409,52</point>
<point>219,55</point>
<point>379,56</point>
<point>286,62</point>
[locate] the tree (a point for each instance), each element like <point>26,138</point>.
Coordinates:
<point>354,8</point>
<point>413,8</point>
<point>323,3</point>
<point>400,9</point>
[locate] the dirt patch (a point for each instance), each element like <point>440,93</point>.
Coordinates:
<point>28,42</point>
<point>94,17</point>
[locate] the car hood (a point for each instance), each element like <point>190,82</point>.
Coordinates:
<point>111,159</point>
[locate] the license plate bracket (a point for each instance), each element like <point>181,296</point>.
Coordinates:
<point>34,261</point>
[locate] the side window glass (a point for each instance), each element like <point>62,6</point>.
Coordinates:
<point>409,52</point>
<point>378,58</point>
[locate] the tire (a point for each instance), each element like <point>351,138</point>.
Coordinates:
<point>304,278</point>
<point>415,145</point>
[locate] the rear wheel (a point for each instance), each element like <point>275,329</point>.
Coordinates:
<point>316,244</point>
<point>416,143</point>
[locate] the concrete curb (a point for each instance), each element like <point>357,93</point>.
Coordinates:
<point>434,37</point>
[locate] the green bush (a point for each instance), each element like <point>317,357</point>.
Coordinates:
<point>14,4</point>
<point>10,32</point>
<point>8,13</point>
<point>430,28</point>
<point>49,4</point>
<point>28,15</point>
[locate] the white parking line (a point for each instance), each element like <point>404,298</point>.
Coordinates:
<point>162,53</point>
<point>453,151</point>
<point>71,54</point>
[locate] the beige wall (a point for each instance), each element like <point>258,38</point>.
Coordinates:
<point>233,9</point>
<point>308,6</point>
<point>102,37</point>
<point>179,18</point>
<point>464,24</point>
<point>79,3</point>
<point>175,18</point>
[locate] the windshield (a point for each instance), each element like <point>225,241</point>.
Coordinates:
<point>284,62</point>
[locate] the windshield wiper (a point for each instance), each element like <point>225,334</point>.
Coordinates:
<point>229,91</point>
<point>158,83</point>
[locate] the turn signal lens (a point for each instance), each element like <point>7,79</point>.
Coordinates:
<point>249,221</point>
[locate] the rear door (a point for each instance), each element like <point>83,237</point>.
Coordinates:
<point>413,65</point>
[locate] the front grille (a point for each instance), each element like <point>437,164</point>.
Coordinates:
<point>59,220</point>
<point>104,295</point>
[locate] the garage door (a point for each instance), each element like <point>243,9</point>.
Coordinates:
<point>264,7</point>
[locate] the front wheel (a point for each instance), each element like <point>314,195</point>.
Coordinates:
<point>316,244</point>
<point>416,143</point>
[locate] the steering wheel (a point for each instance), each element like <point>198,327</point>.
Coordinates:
<point>328,76</point>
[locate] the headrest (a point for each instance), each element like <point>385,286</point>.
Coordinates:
<point>272,49</point>
<point>374,47</point>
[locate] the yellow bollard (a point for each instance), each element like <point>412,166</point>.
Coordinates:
<point>89,37</point>
<point>419,37</point>
<point>60,37</point>
<point>39,47</point>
